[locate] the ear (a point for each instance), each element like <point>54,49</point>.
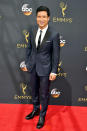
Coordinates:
<point>48,18</point>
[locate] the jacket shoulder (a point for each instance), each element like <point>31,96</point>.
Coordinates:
<point>53,31</point>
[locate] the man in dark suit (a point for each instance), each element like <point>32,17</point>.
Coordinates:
<point>42,58</point>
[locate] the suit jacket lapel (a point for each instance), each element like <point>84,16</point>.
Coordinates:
<point>46,37</point>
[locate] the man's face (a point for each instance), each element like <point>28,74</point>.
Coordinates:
<point>42,19</point>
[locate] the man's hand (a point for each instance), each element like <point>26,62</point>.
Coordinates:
<point>52,76</point>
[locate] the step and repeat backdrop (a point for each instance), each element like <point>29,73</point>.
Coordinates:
<point>69,18</point>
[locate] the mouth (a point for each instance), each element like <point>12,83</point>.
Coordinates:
<point>41,23</point>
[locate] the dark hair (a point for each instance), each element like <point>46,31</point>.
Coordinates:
<point>43,8</point>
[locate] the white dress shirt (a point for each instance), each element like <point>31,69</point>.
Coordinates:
<point>42,35</point>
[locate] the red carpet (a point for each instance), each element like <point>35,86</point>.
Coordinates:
<point>58,118</point>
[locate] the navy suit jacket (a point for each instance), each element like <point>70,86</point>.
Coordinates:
<point>46,59</point>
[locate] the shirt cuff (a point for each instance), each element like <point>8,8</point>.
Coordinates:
<point>54,73</point>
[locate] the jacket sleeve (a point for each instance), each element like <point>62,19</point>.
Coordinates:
<point>55,53</point>
<point>29,48</point>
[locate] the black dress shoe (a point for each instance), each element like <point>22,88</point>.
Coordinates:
<point>32,114</point>
<point>40,123</point>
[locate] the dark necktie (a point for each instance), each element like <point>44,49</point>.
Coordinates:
<point>39,40</point>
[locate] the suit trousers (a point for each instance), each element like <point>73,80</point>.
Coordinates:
<point>40,91</point>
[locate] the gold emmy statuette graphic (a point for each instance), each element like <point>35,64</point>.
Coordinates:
<point>59,66</point>
<point>63,7</point>
<point>26,34</point>
<point>23,86</point>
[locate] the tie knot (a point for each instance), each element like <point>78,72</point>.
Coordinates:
<point>40,31</point>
